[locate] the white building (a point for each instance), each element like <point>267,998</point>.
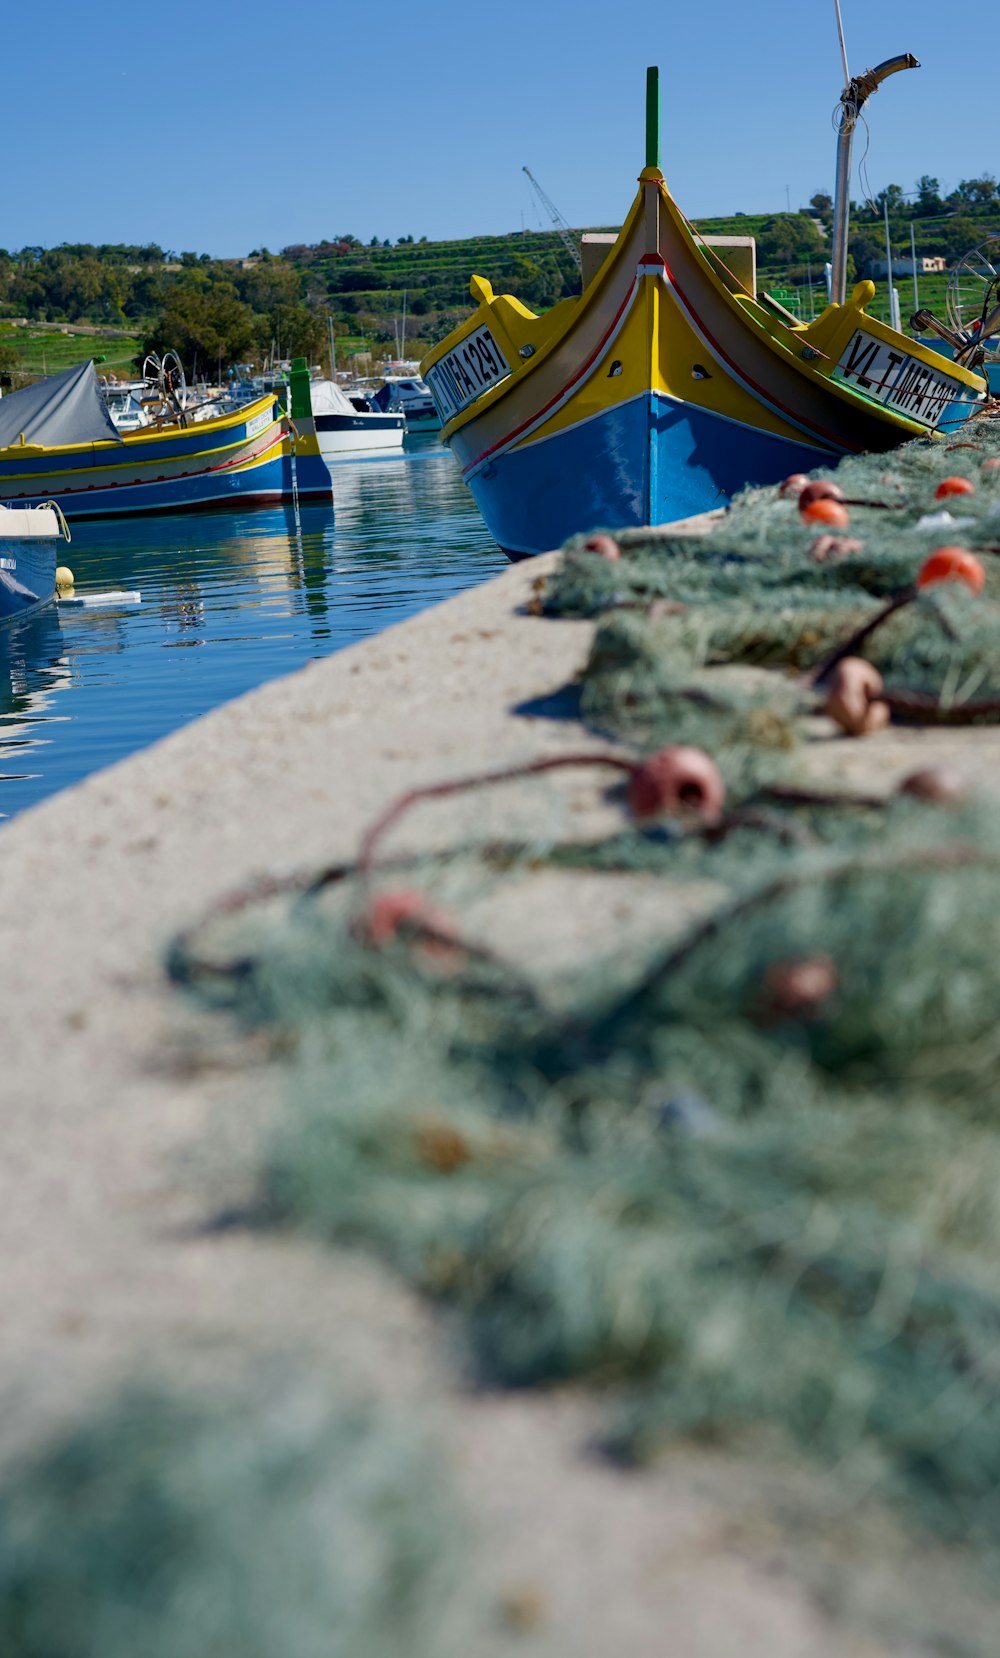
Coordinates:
<point>926,266</point>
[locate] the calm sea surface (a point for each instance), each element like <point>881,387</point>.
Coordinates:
<point>228,601</point>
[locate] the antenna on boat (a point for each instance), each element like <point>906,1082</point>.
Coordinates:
<point>652,117</point>
<point>857,90</point>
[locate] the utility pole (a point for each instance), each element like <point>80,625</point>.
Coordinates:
<point>913,252</point>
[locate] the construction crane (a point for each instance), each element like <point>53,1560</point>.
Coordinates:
<point>559,224</point>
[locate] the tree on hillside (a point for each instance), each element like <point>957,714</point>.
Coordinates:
<point>10,365</point>
<point>822,206</point>
<point>205,327</point>
<point>958,236</point>
<point>535,283</point>
<point>789,238</point>
<point>352,279</point>
<point>295,332</point>
<point>865,247</point>
<point>975,192</point>
<point>272,282</point>
<point>929,203</point>
<point>893,196</point>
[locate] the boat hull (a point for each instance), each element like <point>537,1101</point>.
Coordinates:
<point>645,461</point>
<point>27,573</point>
<point>242,459</point>
<point>362,434</point>
<point>424,422</point>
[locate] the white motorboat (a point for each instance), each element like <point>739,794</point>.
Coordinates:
<point>407,394</point>
<point>352,426</point>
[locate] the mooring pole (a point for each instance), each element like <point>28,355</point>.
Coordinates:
<point>652,117</point>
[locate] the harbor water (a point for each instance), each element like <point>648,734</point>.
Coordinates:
<point>228,601</point>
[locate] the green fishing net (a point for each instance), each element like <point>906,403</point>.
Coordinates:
<point>267,1522</point>
<point>767,590</point>
<point>730,1212</point>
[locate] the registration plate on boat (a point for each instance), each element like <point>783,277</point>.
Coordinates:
<point>258,423</point>
<point>893,377</point>
<point>466,372</point>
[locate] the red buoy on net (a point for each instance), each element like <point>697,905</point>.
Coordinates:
<point>952,564</point>
<point>677,780</point>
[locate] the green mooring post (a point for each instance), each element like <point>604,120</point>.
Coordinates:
<point>301,397</point>
<point>652,117</point>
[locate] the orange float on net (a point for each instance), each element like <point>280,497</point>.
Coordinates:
<point>952,564</point>
<point>825,511</point>
<point>953,486</point>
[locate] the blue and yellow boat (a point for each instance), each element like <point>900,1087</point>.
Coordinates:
<point>667,385</point>
<point>57,442</point>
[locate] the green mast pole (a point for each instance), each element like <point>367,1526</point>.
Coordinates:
<point>652,117</point>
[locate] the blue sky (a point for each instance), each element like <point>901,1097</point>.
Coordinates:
<point>219,127</point>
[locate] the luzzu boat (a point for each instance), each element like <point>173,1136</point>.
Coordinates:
<point>58,442</point>
<point>667,386</point>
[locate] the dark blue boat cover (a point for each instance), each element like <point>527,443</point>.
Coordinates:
<point>62,408</point>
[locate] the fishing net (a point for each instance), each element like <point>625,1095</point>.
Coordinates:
<point>242,1528</point>
<point>767,589</point>
<point>746,1183</point>
<point>738,1202</point>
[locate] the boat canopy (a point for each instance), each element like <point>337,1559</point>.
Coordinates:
<point>62,408</point>
<point>327,398</point>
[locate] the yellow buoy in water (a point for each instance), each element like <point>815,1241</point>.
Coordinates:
<point>64,576</point>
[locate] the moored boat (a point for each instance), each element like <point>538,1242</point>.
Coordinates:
<point>344,427</point>
<point>407,394</point>
<point>58,442</point>
<point>668,385</point>
<point>30,542</point>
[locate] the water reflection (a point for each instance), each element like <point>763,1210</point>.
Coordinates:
<point>229,600</point>
<point>34,666</point>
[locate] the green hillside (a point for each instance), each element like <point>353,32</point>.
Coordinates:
<point>394,299</point>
